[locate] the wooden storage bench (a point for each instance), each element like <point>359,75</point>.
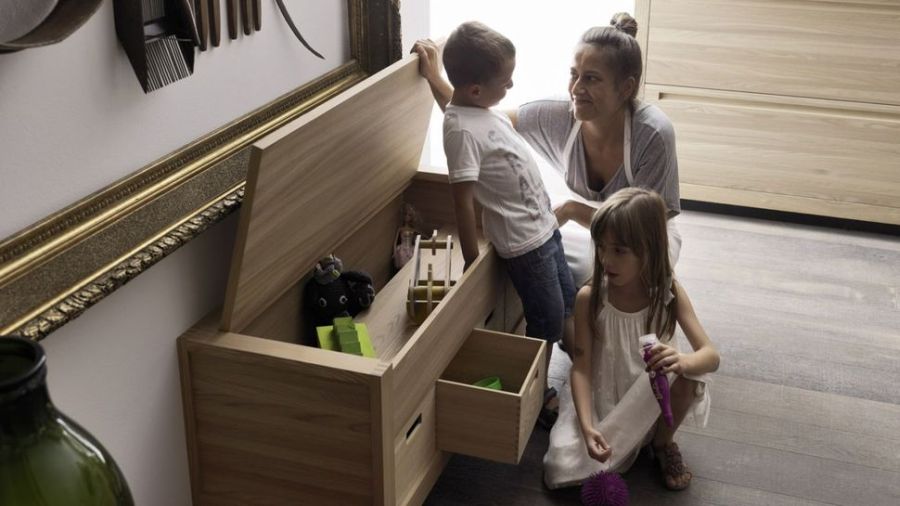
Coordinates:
<point>270,421</point>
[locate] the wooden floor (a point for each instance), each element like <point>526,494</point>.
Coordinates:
<point>806,404</point>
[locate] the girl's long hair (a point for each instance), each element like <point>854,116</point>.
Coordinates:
<point>637,219</point>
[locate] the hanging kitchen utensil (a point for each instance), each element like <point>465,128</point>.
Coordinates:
<point>159,38</point>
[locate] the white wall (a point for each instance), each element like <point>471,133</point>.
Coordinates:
<point>73,120</point>
<point>74,117</point>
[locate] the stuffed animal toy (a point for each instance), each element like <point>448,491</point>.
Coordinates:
<point>332,293</point>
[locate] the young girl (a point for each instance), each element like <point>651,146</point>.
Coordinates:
<point>610,412</point>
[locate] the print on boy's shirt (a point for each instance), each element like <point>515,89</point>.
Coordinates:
<point>527,194</point>
<point>532,192</point>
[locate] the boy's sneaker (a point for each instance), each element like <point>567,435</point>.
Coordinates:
<point>548,415</point>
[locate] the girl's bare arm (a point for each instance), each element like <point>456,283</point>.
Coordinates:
<point>581,359</point>
<point>704,358</point>
<point>597,446</point>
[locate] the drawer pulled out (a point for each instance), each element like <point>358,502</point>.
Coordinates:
<point>484,422</point>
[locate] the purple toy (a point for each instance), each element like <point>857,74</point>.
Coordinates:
<point>604,489</point>
<point>658,381</point>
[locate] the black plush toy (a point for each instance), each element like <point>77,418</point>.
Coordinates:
<point>332,293</point>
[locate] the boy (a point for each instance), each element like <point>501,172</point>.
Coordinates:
<point>489,162</point>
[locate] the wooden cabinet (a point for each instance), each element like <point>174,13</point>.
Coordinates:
<point>792,106</point>
<point>270,421</point>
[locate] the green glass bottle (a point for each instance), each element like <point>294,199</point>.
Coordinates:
<point>46,459</point>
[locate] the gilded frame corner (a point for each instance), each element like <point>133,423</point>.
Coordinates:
<point>54,270</point>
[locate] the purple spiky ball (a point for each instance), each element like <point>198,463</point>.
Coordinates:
<point>604,489</point>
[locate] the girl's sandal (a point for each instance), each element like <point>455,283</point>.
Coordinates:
<point>675,474</point>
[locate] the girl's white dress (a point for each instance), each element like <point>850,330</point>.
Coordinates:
<point>625,410</point>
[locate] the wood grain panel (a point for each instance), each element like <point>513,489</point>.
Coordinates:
<point>190,420</point>
<point>459,407</point>
<point>369,250</point>
<point>804,156</point>
<point>834,50</point>
<point>324,174</point>
<point>790,203</point>
<point>428,478</point>
<point>383,483</point>
<point>431,195</point>
<point>276,430</point>
<point>415,450</point>
<point>386,320</point>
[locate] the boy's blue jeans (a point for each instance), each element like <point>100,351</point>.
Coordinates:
<point>544,283</point>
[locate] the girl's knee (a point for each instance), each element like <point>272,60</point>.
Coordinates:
<point>685,388</point>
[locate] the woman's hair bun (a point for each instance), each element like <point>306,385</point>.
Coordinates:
<point>623,22</point>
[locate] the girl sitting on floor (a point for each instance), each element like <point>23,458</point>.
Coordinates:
<point>610,412</point>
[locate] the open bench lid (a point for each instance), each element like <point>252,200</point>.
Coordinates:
<point>312,183</point>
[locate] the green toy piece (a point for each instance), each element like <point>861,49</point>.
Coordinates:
<point>492,382</point>
<point>347,337</point>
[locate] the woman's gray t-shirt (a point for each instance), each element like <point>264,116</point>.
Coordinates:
<point>546,125</point>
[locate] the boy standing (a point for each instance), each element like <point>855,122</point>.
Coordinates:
<point>489,162</point>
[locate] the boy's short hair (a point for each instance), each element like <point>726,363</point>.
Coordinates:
<point>474,53</point>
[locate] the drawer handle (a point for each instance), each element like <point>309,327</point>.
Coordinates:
<point>488,319</point>
<point>415,424</point>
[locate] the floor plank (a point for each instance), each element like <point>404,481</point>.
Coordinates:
<point>788,473</point>
<point>830,411</point>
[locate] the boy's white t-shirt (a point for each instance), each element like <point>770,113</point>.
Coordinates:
<point>482,146</point>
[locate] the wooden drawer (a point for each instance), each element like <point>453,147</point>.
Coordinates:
<point>846,50</point>
<point>806,156</point>
<point>486,423</point>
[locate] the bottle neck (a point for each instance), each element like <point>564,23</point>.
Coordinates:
<point>25,405</point>
<point>24,414</point>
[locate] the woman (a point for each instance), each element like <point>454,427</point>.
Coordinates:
<point>601,139</point>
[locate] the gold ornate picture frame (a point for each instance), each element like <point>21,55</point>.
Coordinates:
<point>54,270</point>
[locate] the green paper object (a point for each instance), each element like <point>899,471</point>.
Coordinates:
<point>329,341</point>
<point>492,382</point>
